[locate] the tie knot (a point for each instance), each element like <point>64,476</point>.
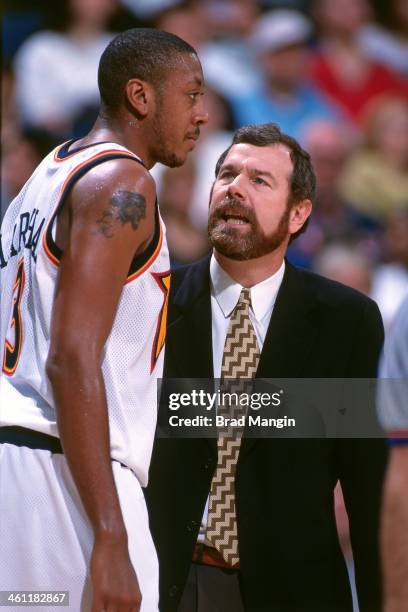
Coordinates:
<point>244,298</point>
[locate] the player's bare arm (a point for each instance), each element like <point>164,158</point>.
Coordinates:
<point>125,207</point>
<point>395,531</point>
<point>108,219</point>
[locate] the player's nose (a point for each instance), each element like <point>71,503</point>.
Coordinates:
<point>201,114</point>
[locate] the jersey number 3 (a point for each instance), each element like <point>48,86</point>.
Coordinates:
<point>12,351</point>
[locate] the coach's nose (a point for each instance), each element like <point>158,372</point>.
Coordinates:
<point>236,189</point>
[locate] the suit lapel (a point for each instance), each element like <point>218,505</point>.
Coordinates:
<point>190,334</point>
<point>291,330</point>
<point>289,339</point>
<point>190,326</point>
<point>290,336</point>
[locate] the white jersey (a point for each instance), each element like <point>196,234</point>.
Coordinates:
<point>133,355</point>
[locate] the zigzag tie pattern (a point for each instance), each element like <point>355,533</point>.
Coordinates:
<point>239,363</point>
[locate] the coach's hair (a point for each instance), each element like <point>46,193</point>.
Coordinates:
<point>143,53</point>
<point>302,182</point>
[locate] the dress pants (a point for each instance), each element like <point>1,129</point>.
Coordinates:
<point>211,589</point>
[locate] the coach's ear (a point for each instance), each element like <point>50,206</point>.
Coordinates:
<point>139,97</point>
<point>298,215</point>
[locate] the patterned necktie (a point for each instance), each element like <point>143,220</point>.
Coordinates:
<point>239,361</point>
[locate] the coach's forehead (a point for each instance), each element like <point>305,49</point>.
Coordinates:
<point>275,157</point>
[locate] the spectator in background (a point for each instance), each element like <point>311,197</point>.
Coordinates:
<point>8,113</point>
<point>147,10</point>
<point>375,180</point>
<point>388,45</point>
<point>56,70</point>
<point>22,152</point>
<point>345,264</point>
<point>219,29</point>
<point>227,56</point>
<point>186,242</point>
<point>280,41</point>
<point>184,19</point>
<point>390,281</point>
<point>340,67</point>
<point>330,144</point>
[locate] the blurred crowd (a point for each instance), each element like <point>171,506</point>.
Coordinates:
<point>333,74</point>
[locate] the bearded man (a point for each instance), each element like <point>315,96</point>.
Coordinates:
<point>248,524</point>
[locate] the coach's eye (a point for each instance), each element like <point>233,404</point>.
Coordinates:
<point>259,181</point>
<point>195,95</point>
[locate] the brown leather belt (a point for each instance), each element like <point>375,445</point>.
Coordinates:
<point>207,555</point>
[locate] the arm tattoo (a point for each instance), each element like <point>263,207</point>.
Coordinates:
<point>126,207</point>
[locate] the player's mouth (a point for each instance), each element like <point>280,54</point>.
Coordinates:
<point>192,137</point>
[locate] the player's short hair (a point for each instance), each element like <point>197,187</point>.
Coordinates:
<point>302,183</point>
<point>143,53</point>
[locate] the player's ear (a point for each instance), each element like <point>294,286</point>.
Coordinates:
<point>139,96</point>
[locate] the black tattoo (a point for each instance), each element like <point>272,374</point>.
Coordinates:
<point>126,207</point>
<point>105,224</point>
<point>131,207</point>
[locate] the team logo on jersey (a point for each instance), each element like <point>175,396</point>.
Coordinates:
<point>163,281</point>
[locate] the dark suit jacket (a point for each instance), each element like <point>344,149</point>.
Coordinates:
<point>289,551</point>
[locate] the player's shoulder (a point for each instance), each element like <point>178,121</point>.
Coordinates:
<point>113,176</point>
<point>125,168</point>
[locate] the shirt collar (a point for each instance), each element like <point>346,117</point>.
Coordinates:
<point>226,291</point>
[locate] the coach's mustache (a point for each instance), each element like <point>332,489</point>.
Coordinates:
<point>231,207</point>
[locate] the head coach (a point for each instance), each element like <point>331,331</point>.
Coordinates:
<point>252,528</point>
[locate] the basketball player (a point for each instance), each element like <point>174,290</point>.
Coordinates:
<point>85,279</point>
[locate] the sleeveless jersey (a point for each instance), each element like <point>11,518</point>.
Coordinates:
<point>132,356</point>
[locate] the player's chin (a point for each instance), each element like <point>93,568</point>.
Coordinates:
<point>173,160</point>
<point>186,147</point>
<point>179,160</point>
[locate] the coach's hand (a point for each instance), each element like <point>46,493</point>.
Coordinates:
<point>114,582</point>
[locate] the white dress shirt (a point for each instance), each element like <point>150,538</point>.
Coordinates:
<point>225,293</point>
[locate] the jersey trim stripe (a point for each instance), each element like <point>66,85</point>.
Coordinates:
<point>62,153</point>
<point>163,280</point>
<point>152,257</point>
<point>147,257</point>
<point>19,284</point>
<point>53,252</point>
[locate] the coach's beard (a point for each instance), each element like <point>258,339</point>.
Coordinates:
<point>243,244</point>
